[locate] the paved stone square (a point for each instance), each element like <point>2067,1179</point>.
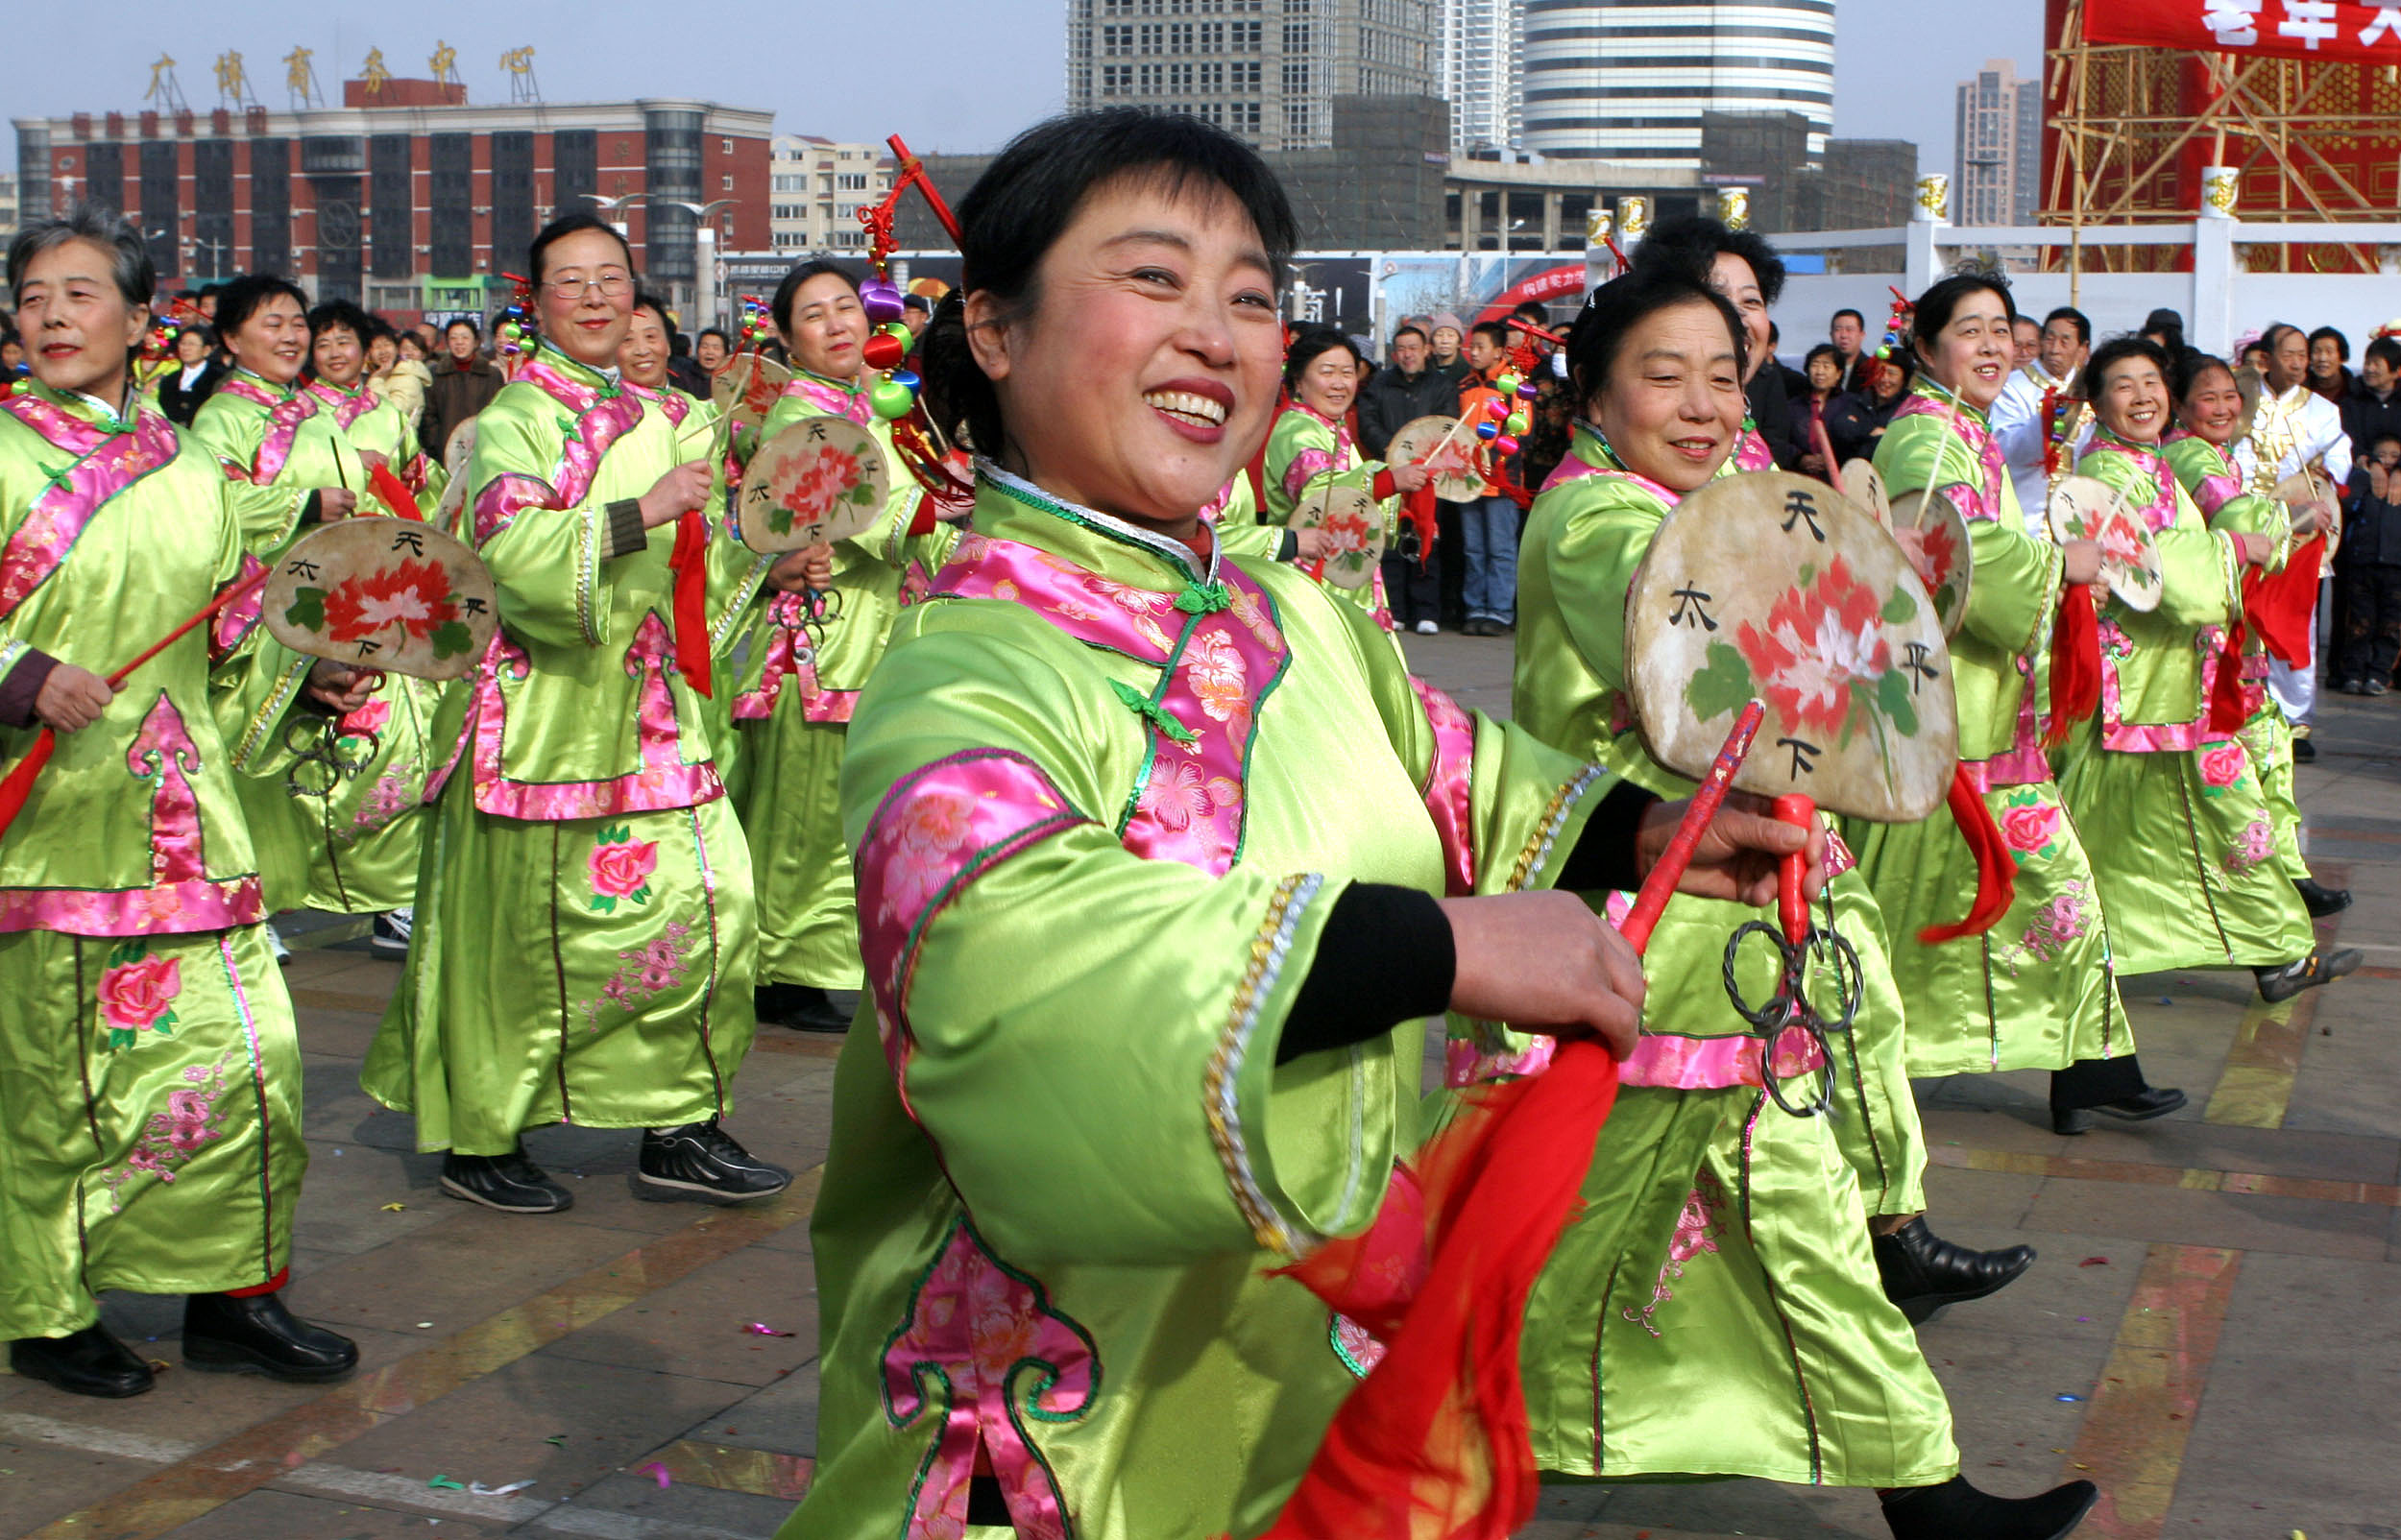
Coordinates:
<point>2213,1332</point>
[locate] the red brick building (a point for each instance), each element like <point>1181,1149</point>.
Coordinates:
<point>406,198</point>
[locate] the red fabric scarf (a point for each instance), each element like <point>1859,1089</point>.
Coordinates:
<point>690,564</point>
<point>395,493</point>
<point>1995,871</point>
<point>2075,664</point>
<point>1435,1445</point>
<point>2279,605</point>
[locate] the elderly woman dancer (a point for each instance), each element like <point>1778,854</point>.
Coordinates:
<point>2188,876</point>
<point>1716,1308</point>
<point>2039,990</point>
<point>150,1079</point>
<point>1145,1006</point>
<point>587,929</point>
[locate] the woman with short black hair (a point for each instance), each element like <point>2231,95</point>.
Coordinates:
<point>1148,843</point>
<point>2189,876</point>
<point>1312,449</point>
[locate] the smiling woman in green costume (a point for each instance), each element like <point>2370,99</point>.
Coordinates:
<point>150,1078</point>
<point>1715,1308</point>
<point>1145,1004</point>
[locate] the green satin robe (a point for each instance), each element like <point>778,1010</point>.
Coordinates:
<point>2039,990</point>
<point>1064,1156</point>
<point>149,1077</point>
<point>794,706</point>
<point>2210,480</point>
<point>1713,1309</point>
<point>586,931</point>
<point>2189,874</point>
<point>354,850</point>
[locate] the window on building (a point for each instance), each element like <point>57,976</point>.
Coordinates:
<point>852,181</point>
<point>1180,79</point>
<point>726,183</point>
<point>1296,77</point>
<point>1179,37</point>
<point>1113,79</point>
<point>1242,117</point>
<point>1299,123</point>
<point>1150,39</point>
<point>1244,36</point>
<point>1242,77</point>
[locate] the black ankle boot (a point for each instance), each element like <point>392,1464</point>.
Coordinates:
<point>89,1363</point>
<point>1923,1273</point>
<point>802,1007</point>
<point>254,1334</point>
<point>1957,1512</point>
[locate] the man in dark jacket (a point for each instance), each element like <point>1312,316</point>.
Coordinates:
<point>2373,406</point>
<point>1401,392</point>
<point>2368,574</point>
<point>464,384</point>
<point>1771,405</point>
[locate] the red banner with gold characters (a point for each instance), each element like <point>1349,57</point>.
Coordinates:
<point>2333,31</point>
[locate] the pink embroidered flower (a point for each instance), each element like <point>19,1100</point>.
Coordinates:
<point>1218,677</point>
<point>135,995</point>
<point>2029,827</point>
<point>1177,794</point>
<point>621,869</point>
<point>2221,763</point>
<point>2251,848</point>
<point>186,1122</point>
<point>2059,922</point>
<point>921,842</point>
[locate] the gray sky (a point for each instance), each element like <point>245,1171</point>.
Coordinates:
<point>946,74</point>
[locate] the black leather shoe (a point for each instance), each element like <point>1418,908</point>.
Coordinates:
<point>509,1182</point>
<point>1957,1512</point>
<point>1923,1272</point>
<point>2152,1101</point>
<point>256,1334</point>
<point>2317,968</point>
<point>705,1161</point>
<point>2321,899</point>
<point>89,1363</point>
<point>802,1007</point>
<point>2071,1120</point>
<point>2304,752</point>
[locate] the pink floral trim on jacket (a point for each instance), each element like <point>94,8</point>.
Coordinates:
<point>284,416</point>
<point>938,829</point>
<point>1307,465</point>
<point>600,421</point>
<point>665,781</point>
<point>1751,450</point>
<point>985,1352</point>
<point>95,466</point>
<point>1449,783</point>
<point>345,406</point>
<point>1190,806</point>
<point>1976,497</point>
<point>791,660</point>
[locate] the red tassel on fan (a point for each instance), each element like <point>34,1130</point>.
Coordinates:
<point>2279,605</point>
<point>1418,507</point>
<point>1995,870</point>
<point>395,493</point>
<point>2226,715</point>
<point>1436,1446</point>
<point>2075,664</point>
<point>690,564</point>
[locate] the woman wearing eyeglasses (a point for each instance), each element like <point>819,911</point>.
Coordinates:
<point>586,931</point>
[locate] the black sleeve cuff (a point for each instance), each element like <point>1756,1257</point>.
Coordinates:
<point>23,686</point>
<point>624,531</point>
<point>1604,859</point>
<point>312,513</point>
<point>1290,550</point>
<point>1385,957</point>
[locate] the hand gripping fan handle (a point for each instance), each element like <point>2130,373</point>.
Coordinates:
<point>1710,796</point>
<point>1791,906</point>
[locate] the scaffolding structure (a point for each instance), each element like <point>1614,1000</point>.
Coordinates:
<point>2129,131</point>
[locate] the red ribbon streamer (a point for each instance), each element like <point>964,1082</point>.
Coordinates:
<point>2075,664</point>
<point>395,493</point>
<point>1995,870</point>
<point>690,564</point>
<point>2279,605</point>
<point>19,782</point>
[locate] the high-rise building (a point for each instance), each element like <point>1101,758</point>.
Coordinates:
<point>1268,70</point>
<point>2001,148</point>
<point>1616,81</point>
<point>8,207</point>
<point>818,186</point>
<point>406,198</point>
<point>1482,69</point>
